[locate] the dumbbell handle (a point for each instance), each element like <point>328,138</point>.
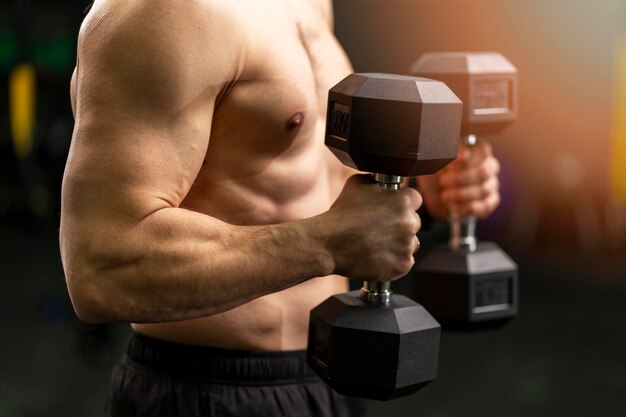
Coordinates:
<point>463,228</point>
<point>373,291</point>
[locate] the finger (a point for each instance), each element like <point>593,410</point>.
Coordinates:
<point>463,154</point>
<point>412,198</point>
<point>468,156</point>
<point>480,208</point>
<point>410,226</point>
<point>471,175</point>
<point>461,195</point>
<point>479,152</point>
<point>417,245</point>
<point>418,223</point>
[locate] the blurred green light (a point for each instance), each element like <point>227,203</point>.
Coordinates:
<point>8,50</point>
<point>56,54</point>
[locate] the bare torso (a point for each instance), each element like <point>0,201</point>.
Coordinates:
<point>266,163</point>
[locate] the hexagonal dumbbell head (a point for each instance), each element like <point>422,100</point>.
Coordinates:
<point>372,352</point>
<point>393,124</point>
<point>463,289</point>
<point>486,82</point>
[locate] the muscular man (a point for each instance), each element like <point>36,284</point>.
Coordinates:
<point>201,205</point>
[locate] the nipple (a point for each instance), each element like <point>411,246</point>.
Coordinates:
<point>294,121</point>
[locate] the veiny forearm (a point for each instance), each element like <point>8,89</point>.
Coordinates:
<point>176,264</point>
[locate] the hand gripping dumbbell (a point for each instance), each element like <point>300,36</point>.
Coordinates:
<point>471,284</point>
<point>370,343</point>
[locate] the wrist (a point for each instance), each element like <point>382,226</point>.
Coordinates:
<point>314,236</point>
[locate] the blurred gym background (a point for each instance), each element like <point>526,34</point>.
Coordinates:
<point>563,216</point>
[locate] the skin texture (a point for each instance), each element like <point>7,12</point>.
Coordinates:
<point>199,201</point>
<point>469,185</point>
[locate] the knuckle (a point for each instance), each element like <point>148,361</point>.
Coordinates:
<point>419,200</point>
<point>408,253</point>
<point>414,198</point>
<point>489,206</point>
<point>409,225</point>
<point>410,263</point>
<point>416,245</point>
<point>486,189</point>
<point>407,200</point>
<point>495,202</point>
<point>409,242</point>
<point>403,219</point>
<point>496,166</point>
<point>495,183</point>
<point>483,173</point>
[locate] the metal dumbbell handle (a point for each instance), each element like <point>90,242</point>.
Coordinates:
<point>463,228</point>
<point>380,292</point>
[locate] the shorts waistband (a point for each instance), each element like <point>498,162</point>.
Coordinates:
<point>224,365</point>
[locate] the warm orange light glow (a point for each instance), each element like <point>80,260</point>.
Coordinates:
<point>618,168</point>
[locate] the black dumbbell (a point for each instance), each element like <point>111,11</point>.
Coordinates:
<point>370,343</point>
<point>469,284</point>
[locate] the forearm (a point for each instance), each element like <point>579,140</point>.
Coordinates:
<point>176,264</point>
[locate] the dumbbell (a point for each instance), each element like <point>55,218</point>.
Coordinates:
<point>371,343</point>
<point>471,284</point>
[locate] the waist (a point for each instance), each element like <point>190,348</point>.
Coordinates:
<point>216,364</point>
<point>276,322</point>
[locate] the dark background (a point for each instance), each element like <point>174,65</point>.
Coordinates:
<point>563,216</point>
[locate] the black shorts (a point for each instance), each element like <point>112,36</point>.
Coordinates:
<point>157,378</point>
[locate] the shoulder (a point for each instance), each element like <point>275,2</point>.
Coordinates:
<point>147,13</point>
<point>164,50</point>
<point>170,31</point>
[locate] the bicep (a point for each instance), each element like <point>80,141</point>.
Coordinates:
<point>128,158</point>
<point>120,164</point>
<point>144,110</point>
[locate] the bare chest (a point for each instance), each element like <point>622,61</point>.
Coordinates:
<point>277,107</point>
<point>266,160</point>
